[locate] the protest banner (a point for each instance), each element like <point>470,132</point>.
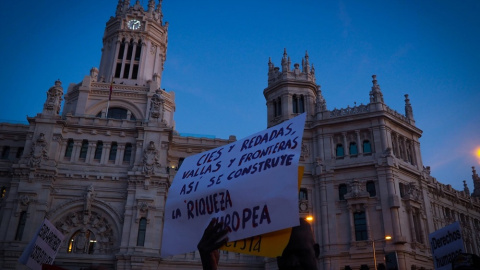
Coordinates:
<point>43,248</point>
<point>446,244</point>
<point>249,185</point>
<point>266,245</point>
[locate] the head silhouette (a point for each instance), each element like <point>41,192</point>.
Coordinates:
<point>301,251</point>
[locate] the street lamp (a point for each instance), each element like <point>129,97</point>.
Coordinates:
<point>387,237</point>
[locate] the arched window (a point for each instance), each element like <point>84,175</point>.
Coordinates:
<point>142,230</point>
<point>118,67</point>
<point>360,222</point>
<point>298,104</point>
<point>342,190</point>
<point>21,225</point>
<point>277,105</point>
<point>371,188</point>
<point>138,53</point>
<point>339,150</point>
<point>128,152</point>
<point>113,151</point>
<point>82,242</point>
<point>98,150</point>
<point>303,194</point>
<point>367,147</point>
<point>301,105</point>
<point>84,149</point>
<point>68,150</point>
<point>118,113</point>
<point>353,148</point>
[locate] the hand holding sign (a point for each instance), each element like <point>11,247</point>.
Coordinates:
<point>249,185</point>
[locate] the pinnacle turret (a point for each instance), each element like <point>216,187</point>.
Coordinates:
<point>303,73</point>
<point>408,108</point>
<point>476,183</point>
<point>376,95</point>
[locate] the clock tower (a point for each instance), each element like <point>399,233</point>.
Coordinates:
<point>134,44</point>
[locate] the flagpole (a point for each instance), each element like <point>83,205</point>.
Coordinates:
<point>109,96</point>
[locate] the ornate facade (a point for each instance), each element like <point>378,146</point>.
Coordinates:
<point>100,167</point>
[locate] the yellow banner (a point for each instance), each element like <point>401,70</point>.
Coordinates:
<point>266,245</point>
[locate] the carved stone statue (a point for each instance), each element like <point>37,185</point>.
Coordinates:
<point>150,159</point>
<point>156,108</point>
<point>89,195</point>
<point>54,99</point>
<point>38,153</point>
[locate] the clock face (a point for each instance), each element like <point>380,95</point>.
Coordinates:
<point>134,24</point>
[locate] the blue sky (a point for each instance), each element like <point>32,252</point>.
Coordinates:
<point>218,53</point>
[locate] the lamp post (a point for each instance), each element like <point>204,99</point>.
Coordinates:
<point>387,237</point>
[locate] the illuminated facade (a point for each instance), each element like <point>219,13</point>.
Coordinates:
<point>101,175</point>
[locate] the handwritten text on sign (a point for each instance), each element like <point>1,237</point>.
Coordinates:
<point>249,185</point>
<point>43,248</point>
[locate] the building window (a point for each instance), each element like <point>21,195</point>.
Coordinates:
<point>180,161</point>
<point>84,149</point>
<point>19,152</point>
<point>142,230</point>
<point>4,192</point>
<point>360,222</point>
<point>21,225</point>
<point>371,189</point>
<point>5,152</point>
<point>353,149</point>
<point>303,194</point>
<point>418,227</point>
<point>82,242</point>
<point>113,151</point>
<point>138,52</point>
<point>298,104</point>
<point>69,149</point>
<point>277,106</point>
<point>403,190</point>
<point>128,152</point>
<point>342,190</point>
<point>367,147</point>
<point>98,150</point>
<point>121,50</point>
<point>339,150</point>
<point>117,113</point>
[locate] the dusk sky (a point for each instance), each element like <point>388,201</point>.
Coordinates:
<point>218,53</point>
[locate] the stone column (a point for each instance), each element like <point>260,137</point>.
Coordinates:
<point>359,143</point>
<point>120,151</point>
<point>77,145</point>
<point>105,153</point>
<point>346,151</point>
<point>90,151</point>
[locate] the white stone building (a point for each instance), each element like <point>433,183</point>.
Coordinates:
<point>102,177</point>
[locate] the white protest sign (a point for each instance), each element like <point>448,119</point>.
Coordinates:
<point>43,248</point>
<point>251,185</point>
<point>446,244</point>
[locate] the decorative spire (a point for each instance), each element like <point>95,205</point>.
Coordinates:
<point>320,103</point>
<point>151,5</point>
<point>408,108</point>
<point>285,61</point>
<point>476,183</point>
<point>270,65</point>
<point>306,63</point>
<point>465,188</point>
<point>376,95</point>
<point>119,8</point>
